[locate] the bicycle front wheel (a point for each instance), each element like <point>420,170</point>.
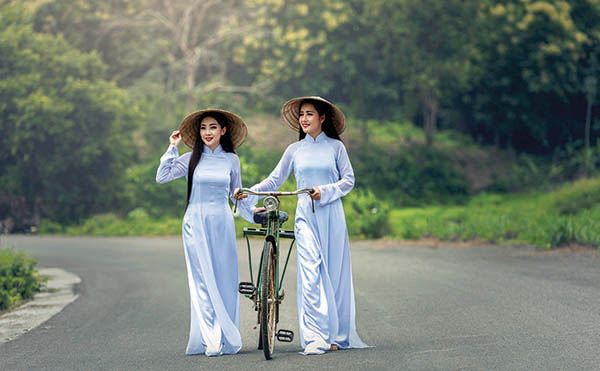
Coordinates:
<point>268,299</point>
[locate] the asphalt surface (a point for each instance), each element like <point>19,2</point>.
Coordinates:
<point>447,308</point>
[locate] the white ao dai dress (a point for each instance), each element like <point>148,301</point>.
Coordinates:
<point>326,309</point>
<point>210,248</point>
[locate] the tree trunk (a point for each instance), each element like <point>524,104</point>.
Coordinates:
<point>357,100</point>
<point>588,119</point>
<point>588,154</point>
<point>430,111</point>
<point>190,84</point>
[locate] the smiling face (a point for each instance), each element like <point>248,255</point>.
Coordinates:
<point>211,132</point>
<point>310,121</point>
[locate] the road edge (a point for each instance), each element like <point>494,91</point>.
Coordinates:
<point>62,291</point>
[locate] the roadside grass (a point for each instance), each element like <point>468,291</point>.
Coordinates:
<point>570,214</point>
<point>137,223</point>
<point>19,279</point>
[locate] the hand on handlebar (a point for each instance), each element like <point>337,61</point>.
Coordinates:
<point>239,196</point>
<point>240,193</point>
<point>315,193</point>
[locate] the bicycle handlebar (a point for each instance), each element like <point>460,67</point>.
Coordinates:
<point>293,193</point>
<point>308,191</point>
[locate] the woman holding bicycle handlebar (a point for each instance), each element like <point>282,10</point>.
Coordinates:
<point>213,172</point>
<point>326,312</point>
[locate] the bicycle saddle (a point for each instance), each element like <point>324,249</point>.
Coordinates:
<point>261,218</point>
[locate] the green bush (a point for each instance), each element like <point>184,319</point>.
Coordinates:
<point>159,200</point>
<point>409,176</point>
<point>18,278</point>
<point>366,215</point>
<point>137,223</point>
<point>48,226</point>
<point>582,195</point>
<point>525,172</point>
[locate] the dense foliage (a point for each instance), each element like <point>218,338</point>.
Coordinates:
<point>62,148</point>
<point>90,91</point>
<point>18,278</point>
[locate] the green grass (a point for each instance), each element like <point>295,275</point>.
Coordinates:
<point>137,223</point>
<point>568,215</point>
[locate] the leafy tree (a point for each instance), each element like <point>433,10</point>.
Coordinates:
<point>66,133</point>
<point>528,90</point>
<point>322,48</point>
<point>429,44</point>
<point>368,55</point>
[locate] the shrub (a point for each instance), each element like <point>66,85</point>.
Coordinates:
<point>18,278</point>
<point>409,176</point>
<point>579,196</point>
<point>366,215</point>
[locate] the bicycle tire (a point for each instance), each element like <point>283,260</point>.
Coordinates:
<point>268,299</point>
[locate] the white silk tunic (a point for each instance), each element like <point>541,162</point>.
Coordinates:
<point>326,312</point>
<point>210,248</point>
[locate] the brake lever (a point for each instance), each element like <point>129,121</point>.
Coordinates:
<point>312,200</point>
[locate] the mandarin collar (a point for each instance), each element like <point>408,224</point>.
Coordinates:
<point>219,149</point>
<point>320,138</point>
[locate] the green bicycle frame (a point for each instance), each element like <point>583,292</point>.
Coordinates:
<point>274,232</point>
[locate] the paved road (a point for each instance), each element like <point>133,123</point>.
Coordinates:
<point>450,308</point>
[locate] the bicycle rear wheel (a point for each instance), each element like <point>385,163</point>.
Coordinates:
<point>268,299</point>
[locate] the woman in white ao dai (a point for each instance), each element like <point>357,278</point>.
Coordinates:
<point>213,172</point>
<point>326,310</point>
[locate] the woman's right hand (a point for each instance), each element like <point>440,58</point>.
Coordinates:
<point>175,138</point>
<point>239,196</point>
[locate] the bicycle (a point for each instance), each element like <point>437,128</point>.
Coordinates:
<point>266,294</point>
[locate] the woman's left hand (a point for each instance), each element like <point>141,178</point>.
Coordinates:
<point>237,195</point>
<point>315,194</point>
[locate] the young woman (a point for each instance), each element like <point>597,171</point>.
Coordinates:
<point>319,161</point>
<point>213,173</point>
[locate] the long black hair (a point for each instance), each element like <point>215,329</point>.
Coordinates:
<point>225,142</point>
<point>327,126</point>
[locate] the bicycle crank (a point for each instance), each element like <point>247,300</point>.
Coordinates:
<point>285,336</point>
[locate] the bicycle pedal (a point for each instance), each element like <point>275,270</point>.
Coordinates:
<point>246,288</point>
<point>285,336</point>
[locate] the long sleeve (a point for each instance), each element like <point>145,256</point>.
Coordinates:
<point>279,175</point>
<point>334,191</point>
<point>245,208</point>
<point>172,166</point>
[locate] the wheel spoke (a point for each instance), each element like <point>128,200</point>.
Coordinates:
<point>268,299</point>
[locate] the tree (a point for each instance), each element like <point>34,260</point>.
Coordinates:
<point>177,42</point>
<point>528,91</point>
<point>326,48</point>
<point>429,44</point>
<point>66,133</point>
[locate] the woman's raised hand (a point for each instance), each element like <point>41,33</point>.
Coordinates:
<point>175,138</point>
